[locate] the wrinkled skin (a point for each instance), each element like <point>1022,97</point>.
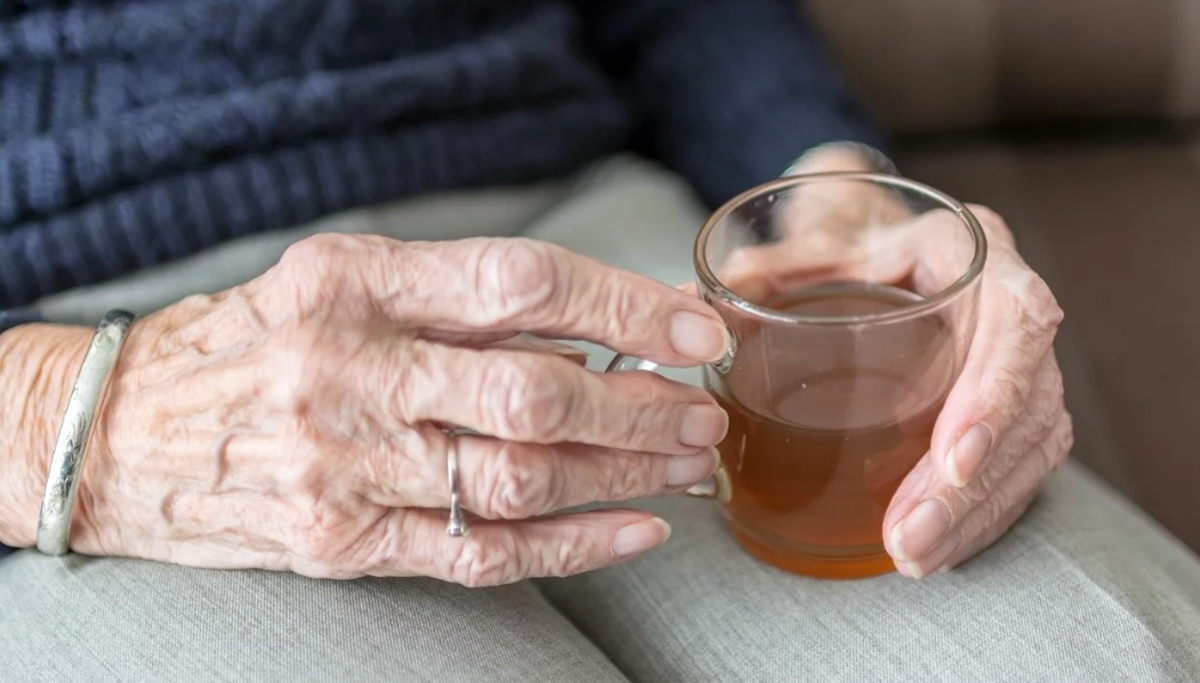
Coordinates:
<point>1004,428</point>
<point>296,423</point>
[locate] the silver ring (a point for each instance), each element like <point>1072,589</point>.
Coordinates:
<point>457,525</point>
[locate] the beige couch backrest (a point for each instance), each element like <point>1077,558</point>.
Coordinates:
<point>931,65</point>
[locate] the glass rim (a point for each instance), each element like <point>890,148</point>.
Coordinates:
<point>710,281</point>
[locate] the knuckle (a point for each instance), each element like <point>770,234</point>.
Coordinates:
<point>402,373</point>
<point>494,562</point>
<point>1046,406</point>
<point>1038,308</point>
<point>388,544</point>
<point>518,276</point>
<point>653,412</point>
<point>316,251</point>
<point>979,492</point>
<point>992,512</point>
<point>319,533</point>
<point>573,555</point>
<point>633,477</point>
<point>314,267</point>
<point>990,508</point>
<point>1008,390</point>
<point>527,399</point>
<point>514,489</point>
<point>994,226</point>
<point>408,465</point>
<point>1059,446</point>
<point>389,465</point>
<point>1046,417</point>
<point>624,311</point>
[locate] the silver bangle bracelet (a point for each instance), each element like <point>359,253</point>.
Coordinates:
<point>66,465</point>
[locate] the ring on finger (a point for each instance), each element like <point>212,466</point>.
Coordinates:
<point>457,524</point>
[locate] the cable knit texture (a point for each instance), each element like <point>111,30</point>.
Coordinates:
<point>136,132</point>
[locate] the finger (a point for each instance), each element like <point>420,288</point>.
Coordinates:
<point>939,247</point>
<point>840,206</point>
<point>532,398</point>
<point>927,514</point>
<point>495,553</point>
<point>827,231</point>
<point>508,284</point>
<point>880,254</point>
<point>506,480</point>
<point>760,273</point>
<point>987,522</point>
<point>1043,411</point>
<point>1018,320</point>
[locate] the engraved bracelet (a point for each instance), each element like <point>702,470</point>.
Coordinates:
<point>66,465</point>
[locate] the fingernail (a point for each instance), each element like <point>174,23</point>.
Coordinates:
<point>703,425</point>
<point>640,537</point>
<point>685,470</point>
<point>966,459</point>
<point>935,563</point>
<point>921,530</point>
<point>698,337</point>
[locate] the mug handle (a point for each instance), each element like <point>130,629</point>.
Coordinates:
<point>715,487</point>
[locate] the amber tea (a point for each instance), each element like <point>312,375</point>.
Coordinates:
<point>824,427</point>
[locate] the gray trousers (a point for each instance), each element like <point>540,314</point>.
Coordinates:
<point>1084,588</point>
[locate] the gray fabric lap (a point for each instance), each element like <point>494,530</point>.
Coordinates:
<point>1082,589</point>
<point>84,619</point>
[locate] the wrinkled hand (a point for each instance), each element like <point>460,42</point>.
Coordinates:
<point>296,423</point>
<point>1004,427</point>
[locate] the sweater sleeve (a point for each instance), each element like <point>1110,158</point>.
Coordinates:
<point>731,90</point>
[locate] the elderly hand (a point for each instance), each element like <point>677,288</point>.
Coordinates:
<point>297,422</point>
<point>1004,427</point>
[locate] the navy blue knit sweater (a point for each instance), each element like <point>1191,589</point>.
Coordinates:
<point>135,132</point>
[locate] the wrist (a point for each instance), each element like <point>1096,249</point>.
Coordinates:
<point>38,366</point>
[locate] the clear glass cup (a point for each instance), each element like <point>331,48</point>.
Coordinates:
<point>851,299</point>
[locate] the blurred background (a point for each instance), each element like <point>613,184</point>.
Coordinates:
<point>1079,122</point>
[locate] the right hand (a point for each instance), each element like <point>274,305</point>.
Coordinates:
<point>296,422</point>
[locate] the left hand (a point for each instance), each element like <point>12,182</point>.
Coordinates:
<point>1004,427</point>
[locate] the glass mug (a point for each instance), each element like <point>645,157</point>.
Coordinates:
<point>851,300</point>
